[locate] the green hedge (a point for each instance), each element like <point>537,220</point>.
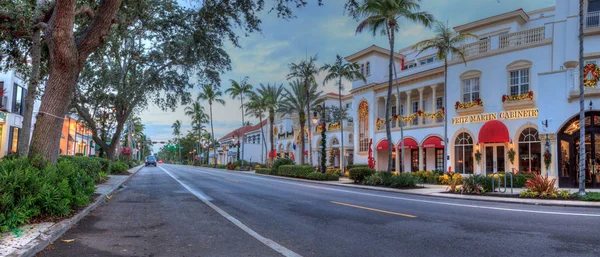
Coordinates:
<point>349,167</point>
<point>402,180</point>
<point>296,171</point>
<point>221,166</point>
<point>322,176</point>
<point>92,165</point>
<point>265,171</point>
<point>358,174</point>
<point>119,168</point>
<point>30,192</point>
<point>280,162</point>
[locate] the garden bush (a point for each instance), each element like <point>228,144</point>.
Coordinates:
<point>352,166</point>
<point>543,185</point>
<point>37,192</point>
<point>590,196</point>
<point>91,165</point>
<point>265,171</point>
<point>322,176</point>
<point>296,171</point>
<point>333,171</point>
<point>519,180</point>
<point>476,184</point>
<point>359,174</point>
<point>426,176</point>
<point>280,162</point>
<point>118,168</point>
<point>220,166</point>
<point>403,180</point>
<point>384,178</point>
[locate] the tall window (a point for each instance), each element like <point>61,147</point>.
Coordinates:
<point>470,89</point>
<point>439,103</point>
<point>439,159</point>
<point>414,160</point>
<point>363,126</point>
<point>463,154</point>
<point>415,109</point>
<point>19,94</point>
<point>13,139</point>
<point>362,69</point>
<point>394,113</point>
<point>519,82</point>
<point>530,151</point>
<point>368,68</point>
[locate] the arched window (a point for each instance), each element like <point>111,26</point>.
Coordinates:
<point>530,151</point>
<point>363,126</point>
<point>368,68</point>
<point>463,153</point>
<point>335,141</point>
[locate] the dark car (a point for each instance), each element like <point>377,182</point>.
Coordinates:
<point>150,160</point>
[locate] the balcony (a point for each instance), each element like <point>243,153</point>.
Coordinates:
<point>592,19</point>
<point>504,43</point>
<point>573,83</point>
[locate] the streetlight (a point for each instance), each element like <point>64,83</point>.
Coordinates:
<point>315,120</point>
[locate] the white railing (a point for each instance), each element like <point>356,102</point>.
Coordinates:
<point>474,49</point>
<point>573,82</point>
<point>592,19</point>
<point>524,37</point>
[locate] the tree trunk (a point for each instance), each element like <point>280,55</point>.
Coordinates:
<point>243,127</point>
<point>401,157</point>
<point>581,106</point>
<point>388,131</point>
<point>309,127</point>
<point>271,120</point>
<point>302,120</point>
<point>263,150</point>
<point>445,115</point>
<point>342,153</point>
<point>25,134</point>
<point>212,131</point>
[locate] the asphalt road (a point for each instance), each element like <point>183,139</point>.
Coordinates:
<point>160,213</point>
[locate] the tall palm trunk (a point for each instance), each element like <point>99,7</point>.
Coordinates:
<point>342,153</point>
<point>401,157</point>
<point>445,115</point>
<point>581,106</point>
<point>302,120</point>
<point>212,132</point>
<point>309,128</point>
<point>388,131</point>
<point>271,120</point>
<point>243,126</point>
<point>263,146</point>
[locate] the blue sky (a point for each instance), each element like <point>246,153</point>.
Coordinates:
<point>325,31</point>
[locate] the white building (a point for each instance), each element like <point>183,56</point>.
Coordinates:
<point>517,95</point>
<point>13,91</point>
<point>255,147</point>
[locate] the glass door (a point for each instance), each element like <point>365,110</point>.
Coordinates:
<point>489,160</point>
<point>494,159</point>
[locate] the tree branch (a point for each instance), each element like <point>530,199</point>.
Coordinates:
<point>85,9</point>
<point>98,28</point>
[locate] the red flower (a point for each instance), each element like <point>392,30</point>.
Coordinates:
<point>456,105</point>
<point>504,98</point>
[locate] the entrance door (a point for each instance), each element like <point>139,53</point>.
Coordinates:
<point>494,159</point>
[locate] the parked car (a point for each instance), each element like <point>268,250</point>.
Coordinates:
<point>160,161</point>
<point>150,160</point>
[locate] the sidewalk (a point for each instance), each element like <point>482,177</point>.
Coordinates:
<point>31,238</point>
<point>440,191</point>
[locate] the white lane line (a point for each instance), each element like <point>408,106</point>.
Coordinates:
<point>421,201</point>
<point>268,242</point>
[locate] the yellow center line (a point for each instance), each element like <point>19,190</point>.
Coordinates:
<point>372,209</point>
<point>231,180</point>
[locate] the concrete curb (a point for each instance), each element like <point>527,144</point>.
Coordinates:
<point>58,229</point>
<point>561,203</point>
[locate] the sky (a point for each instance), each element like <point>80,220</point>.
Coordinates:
<point>322,30</point>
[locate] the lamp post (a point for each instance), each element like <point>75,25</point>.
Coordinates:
<point>315,120</point>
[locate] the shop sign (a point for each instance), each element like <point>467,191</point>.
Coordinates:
<point>519,114</point>
<point>474,118</point>
<point>505,115</point>
<point>2,117</point>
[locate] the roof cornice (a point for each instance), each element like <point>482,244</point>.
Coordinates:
<point>518,15</point>
<point>370,49</point>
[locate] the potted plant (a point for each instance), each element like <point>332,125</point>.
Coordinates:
<point>477,156</point>
<point>547,159</point>
<point>511,156</point>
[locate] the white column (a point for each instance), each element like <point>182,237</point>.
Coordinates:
<point>433,101</point>
<point>398,158</point>
<point>421,164</point>
<point>408,107</point>
<point>421,120</point>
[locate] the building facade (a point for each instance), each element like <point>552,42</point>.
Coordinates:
<point>76,137</point>
<point>13,91</point>
<point>255,147</point>
<point>513,106</point>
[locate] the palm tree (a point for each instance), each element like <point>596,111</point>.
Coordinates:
<point>238,89</point>
<point>257,108</point>
<point>199,117</point>
<point>445,42</point>
<point>294,101</point>
<point>177,133</point>
<point>581,105</point>
<point>272,97</point>
<point>212,95</point>
<point>382,16</point>
<point>306,71</point>
<point>340,70</point>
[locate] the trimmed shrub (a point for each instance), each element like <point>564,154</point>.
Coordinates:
<point>404,180</point>
<point>349,167</point>
<point>280,162</point>
<point>476,184</point>
<point>220,166</point>
<point>118,168</point>
<point>323,177</point>
<point>92,166</point>
<point>426,176</point>
<point>296,171</point>
<point>384,178</point>
<point>359,174</point>
<point>333,171</point>
<point>265,171</point>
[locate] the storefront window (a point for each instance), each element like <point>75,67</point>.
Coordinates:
<point>414,156</point>
<point>530,150</point>
<point>463,154</point>
<point>439,159</point>
<point>13,139</point>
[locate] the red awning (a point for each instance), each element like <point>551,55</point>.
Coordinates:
<point>409,143</point>
<point>273,153</point>
<point>493,131</point>
<point>433,142</point>
<point>306,152</point>
<point>383,146</point>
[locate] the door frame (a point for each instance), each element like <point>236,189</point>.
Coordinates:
<point>494,157</point>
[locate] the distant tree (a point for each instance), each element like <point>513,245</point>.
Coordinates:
<point>240,90</point>
<point>212,95</point>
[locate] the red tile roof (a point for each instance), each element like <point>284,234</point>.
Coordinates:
<point>247,129</point>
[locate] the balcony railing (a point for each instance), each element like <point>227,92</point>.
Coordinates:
<point>475,48</point>
<point>573,86</point>
<point>592,19</point>
<point>522,38</point>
